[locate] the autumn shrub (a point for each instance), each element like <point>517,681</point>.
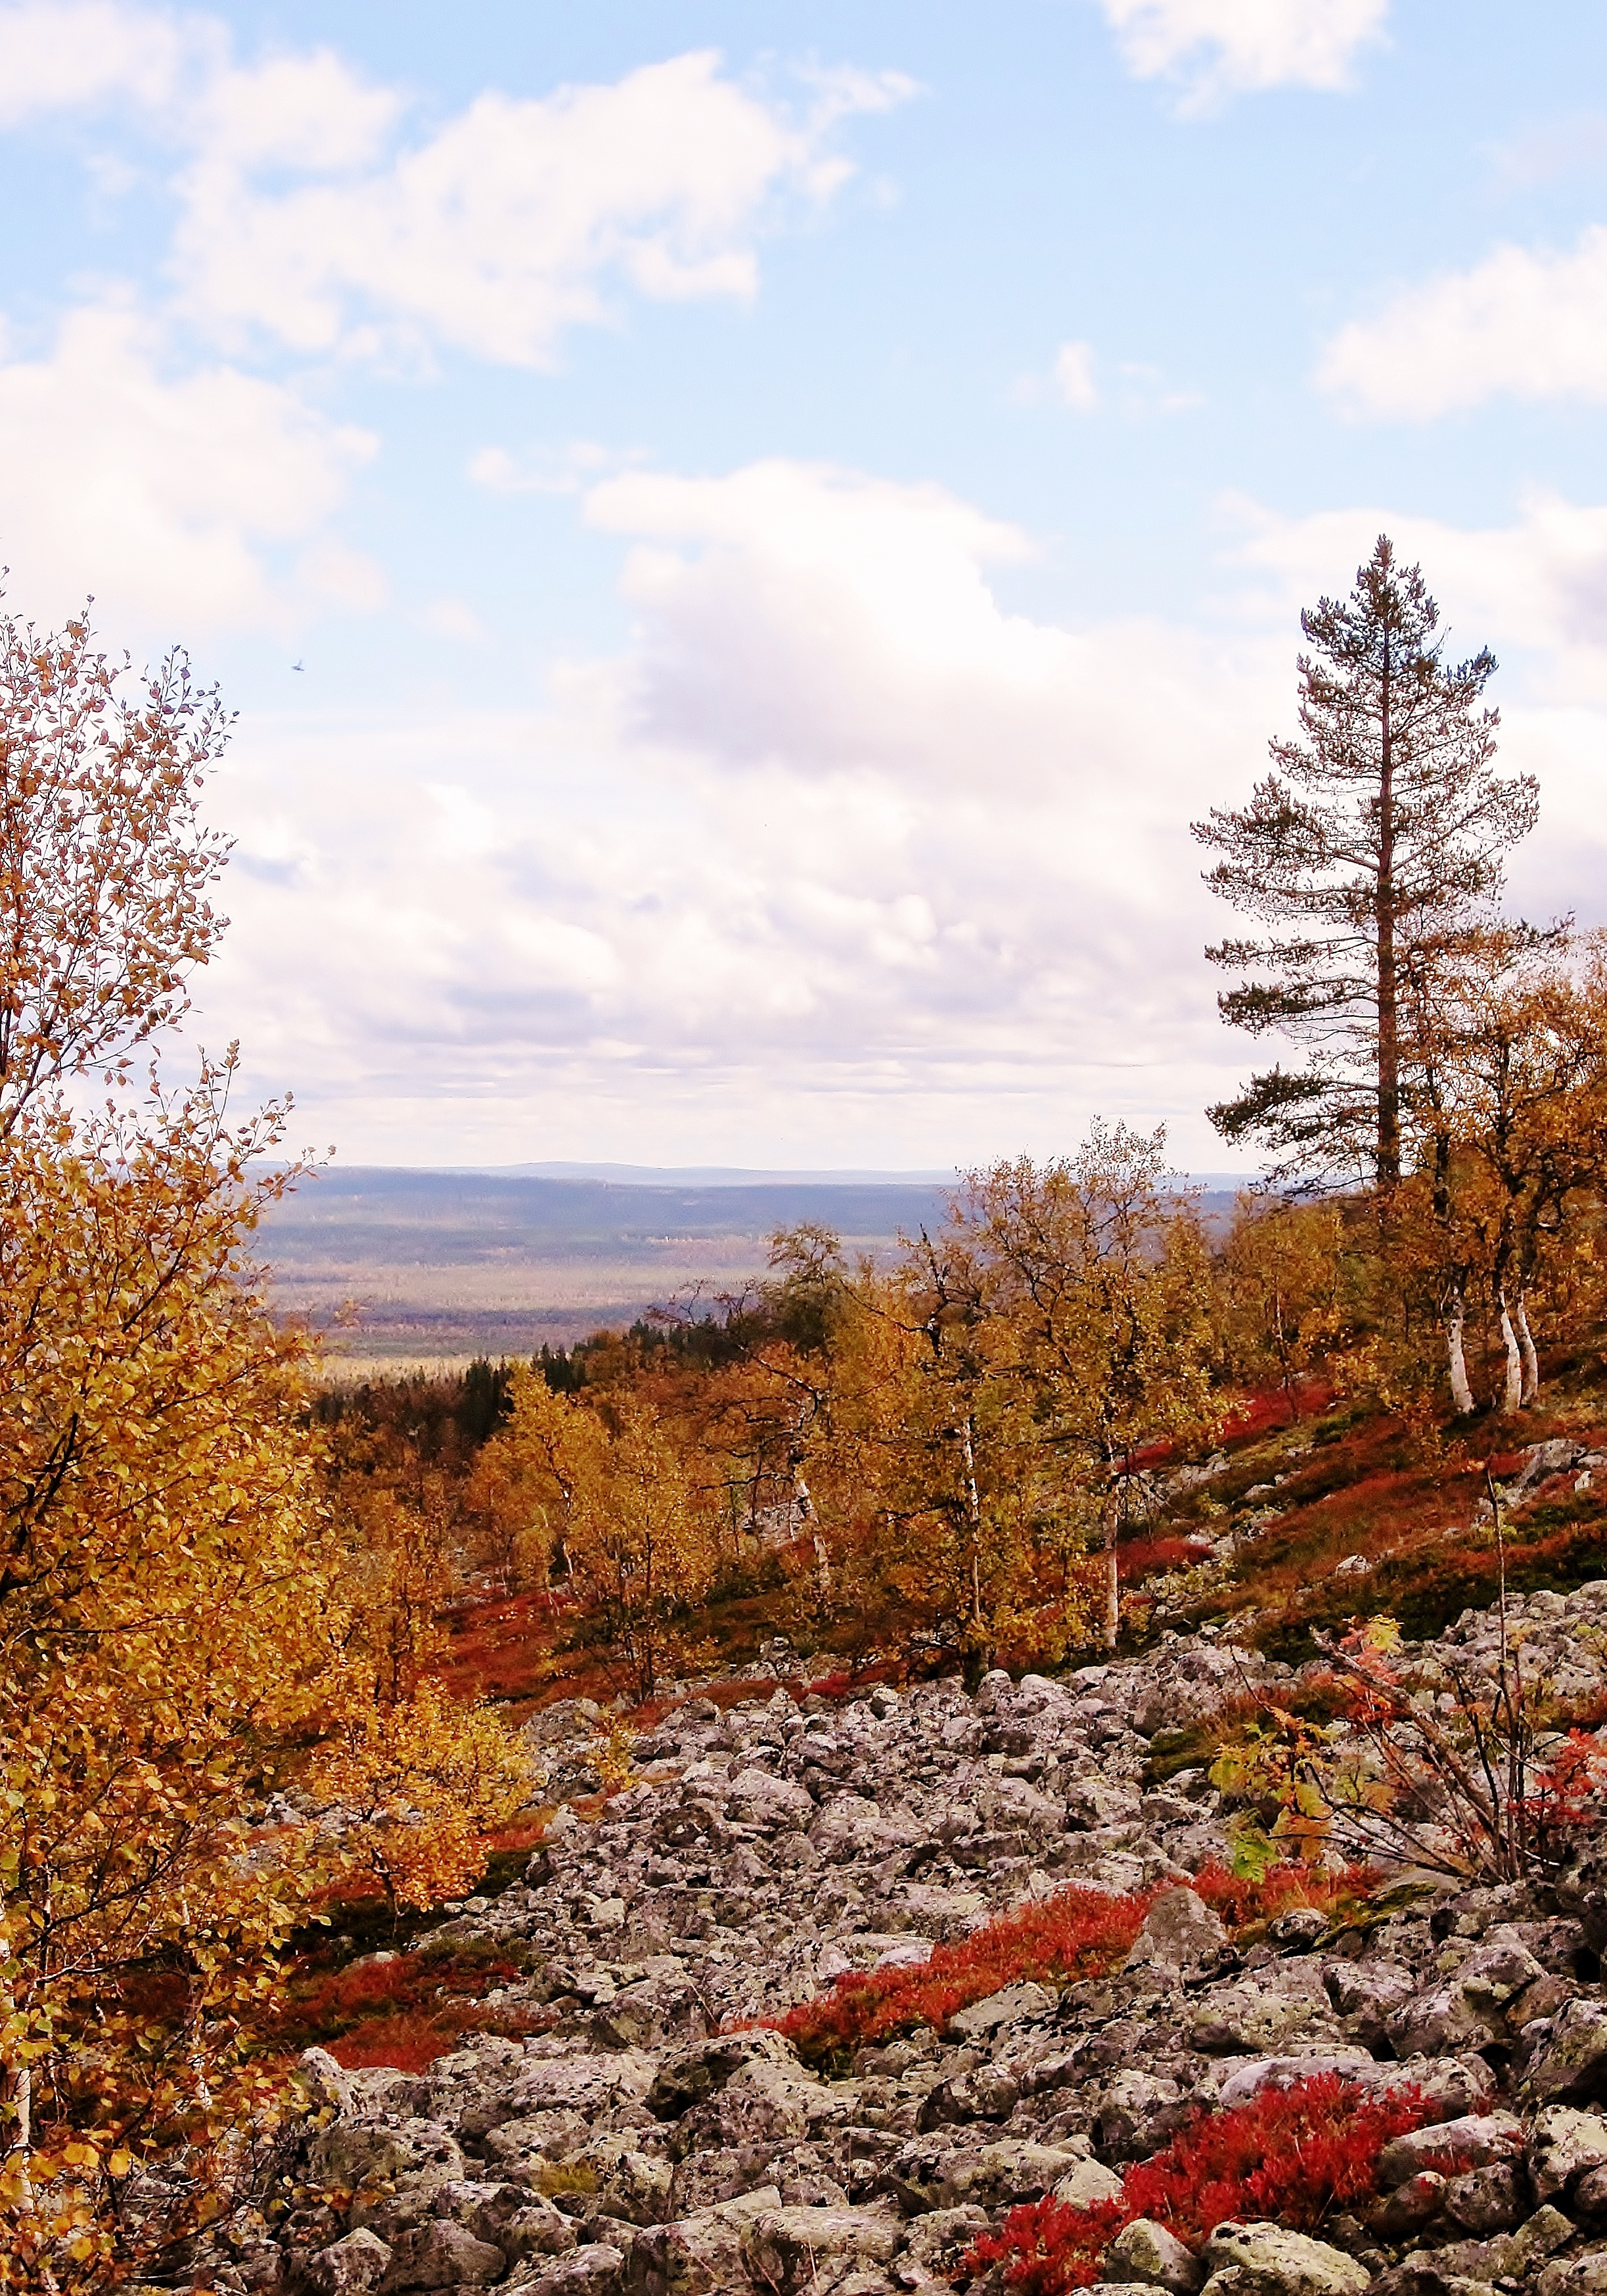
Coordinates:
<point>1079,1934</point>
<point>1291,2155</point>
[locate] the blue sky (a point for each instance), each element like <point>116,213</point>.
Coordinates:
<point>786,512</point>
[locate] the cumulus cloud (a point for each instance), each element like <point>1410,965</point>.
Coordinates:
<point>311,215</point>
<point>1533,325</point>
<point>1218,48</point>
<point>1535,589</point>
<point>62,55</point>
<point>840,860</point>
<point>835,818</point>
<point>510,223</point>
<point>179,500</point>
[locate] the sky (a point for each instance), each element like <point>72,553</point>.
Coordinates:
<point>740,535</point>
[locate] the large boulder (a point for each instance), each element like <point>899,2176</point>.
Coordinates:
<point>1565,2146</point>
<point>441,2254</point>
<point>1267,2259</point>
<point>1015,2005</point>
<point>784,2249</point>
<point>699,2255</point>
<point>1570,2067</point>
<point>1471,2142</point>
<point>349,2266</point>
<point>1282,2002</point>
<point>1180,1933</point>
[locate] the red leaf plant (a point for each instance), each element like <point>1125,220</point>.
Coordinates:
<point>1079,1934</point>
<point>1291,2155</point>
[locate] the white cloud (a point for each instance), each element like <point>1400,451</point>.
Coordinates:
<point>1225,47</point>
<point>1537,587</point>
<point>838,861</point>
<point>309,215</point>
<point>834,816</point>
<point>58,56</point>
<point>511,223</point>
<point>812,614</point>
<point>172,498</point>
<point>1533,325</point>
<point>1074,377</point>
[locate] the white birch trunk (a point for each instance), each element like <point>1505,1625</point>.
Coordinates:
<point>1461,1393</point>
<point>973,1508</point>
<point>1526,1349</point>
<point>1512,1398</point>
<point>1113,1594</point>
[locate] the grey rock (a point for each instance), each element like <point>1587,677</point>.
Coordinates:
<point>1564,2146</point>
<point>1585,2275</point>
<point>1180,1932</point>
<point>699,2255</point>
<point>936,2241</point>
<point>1259,2013</point>
<point>1486,2200</point>
<point>1471,2142</point>
<point>1266,2260</point>
<point>1000,2174</point>
<point>441,2254</point>
<point>782,2248</point>
<point>1088,2184</point>
<point>1413,2203</point>
<point>1571,2066</point>
<point>357,2262</point>
<point>1147,2253</point>
<point>596,2270</point>
<point>1013,2006</point>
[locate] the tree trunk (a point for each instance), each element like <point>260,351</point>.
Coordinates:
<point>1526,1349</point>
<point>1389,1024</point>
<point>1112,1597</point>
<point>1461,1393</point>
<point>19,2094</point>
<point>973,1518</point>
<point>1513,1397</point>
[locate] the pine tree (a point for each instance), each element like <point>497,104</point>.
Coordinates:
<point>1373,842</point>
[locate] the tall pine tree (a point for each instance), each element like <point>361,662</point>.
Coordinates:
<point>1373,844</point>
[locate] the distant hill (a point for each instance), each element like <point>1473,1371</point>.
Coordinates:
<point>441,1264</point>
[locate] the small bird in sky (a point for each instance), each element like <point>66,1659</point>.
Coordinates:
<point>299,665</point>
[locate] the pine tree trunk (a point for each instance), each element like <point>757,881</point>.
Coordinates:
<point>1512,1398</point>
<point>1389,1022</point>
<point>1461,1393</point>
<point>1526,1349</point>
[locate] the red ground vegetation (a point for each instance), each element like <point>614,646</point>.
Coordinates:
<point>1080,1933</point>
<point>1140,1557</point>
<point>1291,2155</point>
<point>404,2010</point>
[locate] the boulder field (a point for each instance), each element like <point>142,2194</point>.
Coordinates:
<point>658,2137</point>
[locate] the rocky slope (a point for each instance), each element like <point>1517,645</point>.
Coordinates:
<point>653,2142</point>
